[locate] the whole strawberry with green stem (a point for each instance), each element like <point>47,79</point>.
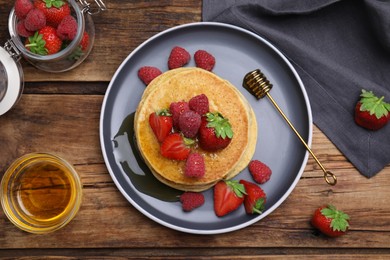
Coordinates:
<point>371,112</point>
<point>215,132</point>
<point>54,10</point>
<point>44,42</point>
<point>330,221</point>
<point>255,198</point>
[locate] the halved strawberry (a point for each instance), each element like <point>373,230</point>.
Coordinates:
<point>215,132</point>
<point>161,124</point>
<point>228,196</point>
<point>255,198</point>
<point>176,147</point>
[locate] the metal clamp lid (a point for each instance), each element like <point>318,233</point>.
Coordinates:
<point>11,78</point>
<point>92,11</point>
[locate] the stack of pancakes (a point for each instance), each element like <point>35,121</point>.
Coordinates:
<point>181,85</point>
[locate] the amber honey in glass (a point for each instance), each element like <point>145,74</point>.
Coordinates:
<point>40,193</point>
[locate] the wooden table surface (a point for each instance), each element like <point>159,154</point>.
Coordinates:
<point>59,113</point>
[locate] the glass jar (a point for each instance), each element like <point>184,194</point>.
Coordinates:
<point>11,83</point>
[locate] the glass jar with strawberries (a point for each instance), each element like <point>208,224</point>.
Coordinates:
<point>53,35</point>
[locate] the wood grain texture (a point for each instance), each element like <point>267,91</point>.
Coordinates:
<point>60,113</point>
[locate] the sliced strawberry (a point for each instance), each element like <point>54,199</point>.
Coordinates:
<point>161,124</point>
<point>175,147</point>
<point>255,198</point>
<point>228,196</point>
<point>214,132</point>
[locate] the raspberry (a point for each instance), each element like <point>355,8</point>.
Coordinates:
<point>35,20</point>
<point>204,60</point>
<point>67,29</point>
<point>178,58</point>
<point>261,173</point>
<point>148,73</point>
<point>199,104</point>
<point>176,109</point>
<point>22,31</point>
<point>22,8</point>
<point>195,167</point>
<point>189,123</point>
<point>191,200</point>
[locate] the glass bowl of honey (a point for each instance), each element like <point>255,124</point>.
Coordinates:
<point>40,192</point>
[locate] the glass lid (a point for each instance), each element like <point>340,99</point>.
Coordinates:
<point>11,81</point>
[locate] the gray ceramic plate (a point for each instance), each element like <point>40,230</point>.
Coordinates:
<point>237,52</point>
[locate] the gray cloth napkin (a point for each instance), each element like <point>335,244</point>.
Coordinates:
<point>338,47</point>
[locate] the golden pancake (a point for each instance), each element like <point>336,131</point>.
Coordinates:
<point>183,84</point>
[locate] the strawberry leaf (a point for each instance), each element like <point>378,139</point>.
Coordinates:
<point>238,188</point>
<point>36,44</point>
<point>339,219</point>
<point>55,3</point>
<point>220,124</point>
<point>374,105</point>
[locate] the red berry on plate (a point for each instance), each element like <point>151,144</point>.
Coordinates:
<point>330,221</point>
<point>260,172</point>
<point>199,104</point>
<point>191,200</point>
<point>35,20</point>
<point>178,57</point>
<point>204,60</point>
<point>195,166</point>
<point>161,124</point>
<point>189,123</point>
<point>228,196</point>
<point>371,112</point>
<point>22,8</point>
<point>255,198</point>
<point>176,109</point>
<point>148,73</point>
<point>215,132</point>
<point>175,147</point>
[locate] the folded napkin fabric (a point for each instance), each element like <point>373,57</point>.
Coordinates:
<point>338,48</point>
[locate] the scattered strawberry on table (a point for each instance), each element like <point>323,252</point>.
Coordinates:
<point>34,16</point>
<point>228,196</point>
<point>330,221</point>
<point>191,200</point>
<point>371,112</point>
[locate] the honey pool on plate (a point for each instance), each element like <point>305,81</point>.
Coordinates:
<point>40,193</point>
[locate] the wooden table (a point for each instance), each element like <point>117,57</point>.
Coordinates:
<point>59,113</point>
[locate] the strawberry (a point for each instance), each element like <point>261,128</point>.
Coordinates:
<point>204,60</point>
<point>260,172</point>
<point>255,198</point>
<point>215,132</point>
<point>228,196</point>
<point>195,166</point>
<point>176,147</point>
<point>44,42</point>
<point>330,221</point>
<point>84,41</point>
<point>161,124</point>
<point>54,10</point>
<point>191,200</point>
<point>371,112</point>
<point>148,73</point>
<point>178,57</point>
